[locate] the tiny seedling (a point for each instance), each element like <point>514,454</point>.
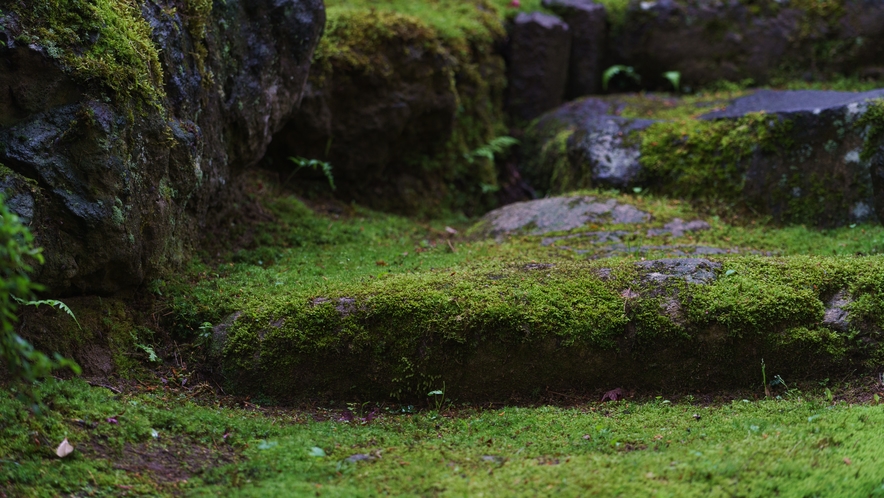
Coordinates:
<point>674,77</point>
<point>438,397</point>
<point>619,69</point>
<point>314,164</point>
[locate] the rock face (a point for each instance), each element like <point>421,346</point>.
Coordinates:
<point>117,182</point>
<point>539,54</point>
<point>802,156</point>
<point>587,21</point>
<point>713,41</point>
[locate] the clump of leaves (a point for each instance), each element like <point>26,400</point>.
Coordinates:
<point>17,253</point>
<point>496,146</point>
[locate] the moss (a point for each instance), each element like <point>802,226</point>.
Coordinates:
<point>667,107</point>
<point>462,35</point>
<point>197,16</point>
<point>104,41</point>
<point>872,122</point>
<point>400,333</point>
<point>707,160</point>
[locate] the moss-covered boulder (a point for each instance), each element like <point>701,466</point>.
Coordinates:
<point>397,102</point>
<point>123,123</point>
<point>797,156</point>
<point>502,329</point>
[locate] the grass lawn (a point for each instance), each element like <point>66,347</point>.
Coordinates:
<point>161,443</point>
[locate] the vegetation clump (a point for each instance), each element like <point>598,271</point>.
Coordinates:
<point>105,41</point>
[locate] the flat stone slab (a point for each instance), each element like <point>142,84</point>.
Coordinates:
<point>557,214</point>
<point>790,101</point>
<point>815,162</point>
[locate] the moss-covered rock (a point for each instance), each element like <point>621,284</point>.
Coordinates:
<point>396,103</point>
<point>799,156</point>
<point>502,329</point>
<point>133,118</point>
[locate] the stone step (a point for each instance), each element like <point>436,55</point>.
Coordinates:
<point>811,157</point>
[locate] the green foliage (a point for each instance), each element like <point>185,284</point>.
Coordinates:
<point>314,164</point>
<point>497,145</point>
<point>611,72</point>
<point>107,41</point>
<point>17,254</point>
<point>52,303</point>
<point>673,77</point>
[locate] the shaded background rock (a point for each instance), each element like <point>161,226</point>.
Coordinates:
<point>712,41</point>
<point>539,50</point>
<point>555,214</point>
<point>588,24</point>
<point>117,174</point>
<point>396,108</point>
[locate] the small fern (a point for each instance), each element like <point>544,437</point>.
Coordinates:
<point>53,303</point>
<point>497,145</point>
<point>314,164</point>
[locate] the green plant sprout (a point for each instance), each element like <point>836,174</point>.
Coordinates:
<point>674,77</point>
<point>314,164</point>
<point>614,70</point>
<point>438,397</point>
<point>496,146</point>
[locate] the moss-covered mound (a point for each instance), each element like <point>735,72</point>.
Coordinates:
<point>400,94</point>
<point>516,328</point>
<point>384,307</point>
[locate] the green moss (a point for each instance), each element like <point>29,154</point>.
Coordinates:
<point>357,42</point>
<point>197,14</point>
<point>674,444</point>
<point>104,41</point>
<point>400,333</point>
<point>666,107</point>
<point>872,121</point>
<point>706,160</point>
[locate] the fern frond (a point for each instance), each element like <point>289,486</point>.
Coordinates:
<point>53,303</point>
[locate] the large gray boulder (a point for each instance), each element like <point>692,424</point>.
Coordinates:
<point>117,180</point>
<point>802,156</point>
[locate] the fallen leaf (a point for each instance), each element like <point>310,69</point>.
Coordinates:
<point>64,449</point>
<point>613,395</point>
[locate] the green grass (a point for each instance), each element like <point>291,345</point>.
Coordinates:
<point>801,445</point>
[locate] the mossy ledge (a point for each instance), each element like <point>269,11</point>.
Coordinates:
<point>505,329</point>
